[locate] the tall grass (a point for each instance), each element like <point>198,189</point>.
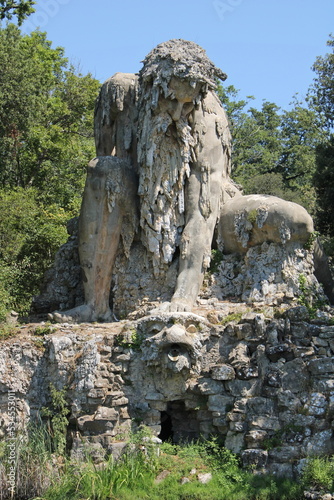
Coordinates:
<point>43,475</point>
<point>35,468</point>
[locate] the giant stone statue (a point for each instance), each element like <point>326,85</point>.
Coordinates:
<point>159,185</point>
<point>167,129</point>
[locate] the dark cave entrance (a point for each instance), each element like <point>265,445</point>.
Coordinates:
<point>179,425</point>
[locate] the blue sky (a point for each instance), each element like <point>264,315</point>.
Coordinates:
<point>266,47</point>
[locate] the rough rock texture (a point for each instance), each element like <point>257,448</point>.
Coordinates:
<point>269,273</point>
<point>265,385</point>
<point>247,221</point>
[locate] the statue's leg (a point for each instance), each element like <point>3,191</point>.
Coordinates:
<point>100,227</point>
<point>99,232</point>
<point>196,239</point>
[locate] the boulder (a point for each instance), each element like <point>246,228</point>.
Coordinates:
<point>248,221</point>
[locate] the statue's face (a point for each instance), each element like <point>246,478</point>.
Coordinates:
<point>181,101</point>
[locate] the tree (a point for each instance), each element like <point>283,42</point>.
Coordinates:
<point>324,182</point>
<point>273,150</point>
<point>46,118</point>
<point>20,8</point>
<point>30,235</point>
<point>321,97</point>
<point>321,94</point>
<point>46,141</point>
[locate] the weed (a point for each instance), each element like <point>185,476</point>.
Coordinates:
<point>39,343</point>
<point>57,417</point>
<point>7,330</point>
<point>44,330</point>
<point>131,339</point>
<point>133,475</point>
<point>277,439</point>
<point>310,297</point>
<point>34,469</point>
<point>252,216</point>
<point>231,317</point>
<point>216,258</point>
<point>319,473</point>
<point>308,245</point>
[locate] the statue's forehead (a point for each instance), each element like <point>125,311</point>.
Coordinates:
<point>182,59</point>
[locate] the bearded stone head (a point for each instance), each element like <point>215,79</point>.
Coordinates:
<point>182,60</point>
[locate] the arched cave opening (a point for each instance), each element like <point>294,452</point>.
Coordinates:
<point>178,424</point>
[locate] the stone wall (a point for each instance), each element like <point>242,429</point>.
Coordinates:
<point>261,380</point>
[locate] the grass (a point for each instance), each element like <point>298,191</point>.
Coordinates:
<point>7,330</point>
<point>43,475</point>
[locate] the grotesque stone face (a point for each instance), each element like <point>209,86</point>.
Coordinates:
<point>173,349</point>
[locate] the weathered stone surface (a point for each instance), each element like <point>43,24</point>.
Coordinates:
<point>321,443</point>
<point>254,458</point>
<point>255,219</point>
<point>157,134</point>
<point>321,366</point>
<point>204,477</point>
<point>234,441</point>
<point>220,403</point>
<point>295,377</point>
<point>223,372</point>
<point>104,402</point>
<point>209,386</point>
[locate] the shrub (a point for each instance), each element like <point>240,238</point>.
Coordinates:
<point>29,239</point>
<point>319,473</point>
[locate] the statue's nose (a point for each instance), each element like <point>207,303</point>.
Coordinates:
<point>177,111</point>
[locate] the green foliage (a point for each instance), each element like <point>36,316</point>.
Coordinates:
<point>276,440</point>
<point>7,330</point>
<point>19,8</point>
<point>324,184</point>
<point>310,242</point>
<point>29,239</point>
<point>130,339</point>
<point>310,296</point>
<point>231,317</point>
<point>57,413</point>
<point>319,473</point>
<point>44,330</point>
<point>46,118</point>
<point>273,150</point>
<point>321,95</point>
<point>216,259</point>
<point>33,463</point>
<point>252,215</point>
<point>133,475</point>
<point>321,100</point>
<point>46,140</point>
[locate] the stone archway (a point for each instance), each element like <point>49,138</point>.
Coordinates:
<point>179,424</point>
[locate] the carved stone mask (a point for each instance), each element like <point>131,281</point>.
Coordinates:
<point>174,349</point>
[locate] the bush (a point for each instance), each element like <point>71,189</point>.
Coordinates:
<point>319,473</point>
<point>30,235</point>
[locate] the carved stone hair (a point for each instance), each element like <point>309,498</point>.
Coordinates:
<point>182,59</point>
